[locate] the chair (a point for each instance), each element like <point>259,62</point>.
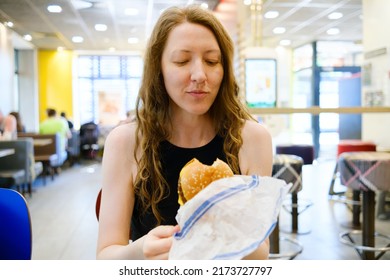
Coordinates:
<point>287,168</point>
<point>48,151</point>
<point>353,203</point>
<point>368,173</point>
<point>19,169</point>
<point>295,208</point>
<point>73,148</point>
<point>348,145</point>
<point>97,205</point>
<point>15,226</point>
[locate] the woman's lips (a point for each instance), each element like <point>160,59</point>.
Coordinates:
<point>197,93</point>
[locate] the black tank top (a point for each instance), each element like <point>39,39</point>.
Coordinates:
<point>173,159</point>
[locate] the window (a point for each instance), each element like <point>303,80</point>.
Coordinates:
<point>107,87</point>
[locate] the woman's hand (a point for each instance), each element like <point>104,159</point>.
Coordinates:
<point>158,242</point>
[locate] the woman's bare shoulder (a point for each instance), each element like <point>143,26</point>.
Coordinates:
<point>254,130</point>
<point>256,151</point>
<point>122,132</point>
<point>121,137</point>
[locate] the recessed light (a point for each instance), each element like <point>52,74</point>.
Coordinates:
<point>247,2</point>
<point>285,42</point>
<point>77,39</point>
<point>335,15</point>
<point>333,31</point>
<point>81,4</point>
<point>131,12</point>
<point>9,23</point>
<point>133,40</point>
<point>27,37</point>
<point>54,9</point>
<point>100,27</point>
<point>204,6</point>
<point>271,14</point>
<point>279,30</point>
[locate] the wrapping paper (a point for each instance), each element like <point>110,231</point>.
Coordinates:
<point>228,219</point>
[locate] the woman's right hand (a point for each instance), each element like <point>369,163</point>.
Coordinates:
<point>158,242</point>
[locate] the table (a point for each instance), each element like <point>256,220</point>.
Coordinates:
<point>42,141</point>
<point>368,172</point>
<point>6,152</point>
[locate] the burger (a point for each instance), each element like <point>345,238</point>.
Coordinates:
<point>195,176</point>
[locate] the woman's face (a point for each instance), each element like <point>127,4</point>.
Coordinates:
<point>191,67</point>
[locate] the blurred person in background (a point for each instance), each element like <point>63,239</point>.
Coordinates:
<point>70,124</point>
<point>56,124</point>
<point>7,127</point>
<point>19,124</point>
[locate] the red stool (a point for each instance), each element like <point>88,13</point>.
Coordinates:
<point>351,145</point>
<point>368,173</point>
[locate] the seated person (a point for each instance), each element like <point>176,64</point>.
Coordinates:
<point>54,124</point>
<point>7,127</point>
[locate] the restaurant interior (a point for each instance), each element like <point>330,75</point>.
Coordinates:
<point>315,73</point>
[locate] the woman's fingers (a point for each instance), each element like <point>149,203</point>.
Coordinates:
<point>158,242</point>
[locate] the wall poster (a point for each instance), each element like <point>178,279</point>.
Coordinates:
<point>260,82</point>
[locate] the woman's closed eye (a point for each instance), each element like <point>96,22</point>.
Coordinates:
<point>181,63</point>
<point>212,62</point>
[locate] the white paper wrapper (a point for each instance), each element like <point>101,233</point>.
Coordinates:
<point>228,219</point>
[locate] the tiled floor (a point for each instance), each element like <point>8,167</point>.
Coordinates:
<point>65,225</point>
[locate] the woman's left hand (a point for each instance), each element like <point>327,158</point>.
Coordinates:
<point>158,242</point>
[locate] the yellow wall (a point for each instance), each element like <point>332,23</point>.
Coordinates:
<point>55,82</point>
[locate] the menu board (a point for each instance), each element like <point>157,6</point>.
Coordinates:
<point>260,82</point>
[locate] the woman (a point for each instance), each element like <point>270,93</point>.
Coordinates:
<point>8,127</point>
<point>19,124</point>
<point>188,106</point>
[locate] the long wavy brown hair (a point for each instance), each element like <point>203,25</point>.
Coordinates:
<point>152,110</point>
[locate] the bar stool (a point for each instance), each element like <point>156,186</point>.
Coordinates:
<point>306,152</point>
<point>350,145</point>
<point>289,169</point>
<point>366,172</point>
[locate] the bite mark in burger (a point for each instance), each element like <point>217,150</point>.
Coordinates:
<point>195,176</point>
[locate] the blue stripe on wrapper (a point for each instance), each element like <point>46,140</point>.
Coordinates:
<point>209,203</point>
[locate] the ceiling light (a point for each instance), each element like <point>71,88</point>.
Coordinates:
<point>247,2</point>
<point>9,23</point>
<point>333,31</point>
<point>131,12</point>
<point>60,49</point>
<point>112,49</point>
<point>27,37</point>
<point>285,42</point>
<point>80,4</point>
<point>54,9</point>
<point>279,30</point>
<point>335,15</point>
<point>271,14</point>
<point>77,39</point>
<point>204,6</point>
<point>100,27</point>
<point>133,40</point>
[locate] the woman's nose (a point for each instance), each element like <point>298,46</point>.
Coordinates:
<point>198,73</point>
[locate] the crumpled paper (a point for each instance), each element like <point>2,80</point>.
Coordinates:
<point>228,219</point>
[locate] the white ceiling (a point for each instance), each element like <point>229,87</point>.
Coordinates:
<point>305,21</point>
